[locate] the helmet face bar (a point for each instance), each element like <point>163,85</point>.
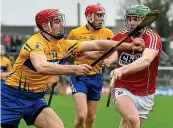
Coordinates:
<point>49,16</point>
<point>95,15</point>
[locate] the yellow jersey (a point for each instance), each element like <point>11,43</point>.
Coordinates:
<point>5,64</point>
<point>24,76</point>
<point>82,33</point>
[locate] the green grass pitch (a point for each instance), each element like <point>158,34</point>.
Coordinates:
<point>161,117</point>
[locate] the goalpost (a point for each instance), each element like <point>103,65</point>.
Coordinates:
<point>164,84</point>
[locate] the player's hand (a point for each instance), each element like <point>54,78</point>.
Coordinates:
<point>54,81</point>
<point>106,63</point>
<point>4,75</point>
<point>83,69</point>
<point>117,73</point>
<point>79,56</point>
<point>138,44</point>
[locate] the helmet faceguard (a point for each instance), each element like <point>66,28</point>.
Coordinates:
<point>48,17</point>
<point>139,11</point>
<point>91,12</point>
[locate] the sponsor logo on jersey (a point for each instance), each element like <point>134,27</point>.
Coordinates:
<point>82,37</point>
<point>126,58</point>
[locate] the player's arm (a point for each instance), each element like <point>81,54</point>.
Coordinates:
<point>113,58</point>
<point>103,45</point>
<point>54,81</point>
<point>138,65</point>
<point>41,65</point>
<point>87,55</point>
<point>5,74</point>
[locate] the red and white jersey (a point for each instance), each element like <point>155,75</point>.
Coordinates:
<point>141,83</point>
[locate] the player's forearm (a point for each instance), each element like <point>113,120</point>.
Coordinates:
<point>136,66</point>
<point>125,47</point>
<point>113,58</point>
<point>103,45</point>
<point>55,69</point>
<point>93,55</point>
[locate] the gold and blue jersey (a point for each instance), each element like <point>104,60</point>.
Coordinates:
<point>82,33</point>
<point>24,76</point>
<point>5,64</point>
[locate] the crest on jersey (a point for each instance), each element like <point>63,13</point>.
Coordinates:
<point>92,38</point>
<point>37,46</point>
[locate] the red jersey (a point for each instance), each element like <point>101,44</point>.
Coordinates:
<point>141,83</point>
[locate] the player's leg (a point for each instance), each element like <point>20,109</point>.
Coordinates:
<point>123,100</point>
<point>40,114</point>
<point>80,101</point>
<point>94,84</point>
<point>123,124</point>
<point>91,115</point>
<point>12,107</point>
<point>79,92</point>
<point>48,119</point>
<point>141,122</point>
<point>144,105</point>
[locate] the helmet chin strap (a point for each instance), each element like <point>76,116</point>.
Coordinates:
<point>139,32</point>
<point>93,25</point>
<point>91,21</point>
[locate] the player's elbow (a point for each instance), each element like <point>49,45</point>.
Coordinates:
<point>147,62</point>
<point>40,68</point>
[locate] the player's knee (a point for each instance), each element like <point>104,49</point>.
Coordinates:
<point>81,117</point>
<point>133,120</point>
<point>90,119</point>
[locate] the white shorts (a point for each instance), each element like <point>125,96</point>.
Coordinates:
<point>143,103</point>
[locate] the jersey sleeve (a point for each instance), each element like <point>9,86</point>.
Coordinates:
<point>34,47</point>
<point>73,46</point>
<point>153,40</point>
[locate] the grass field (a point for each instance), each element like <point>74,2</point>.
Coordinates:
<point>161,117</point>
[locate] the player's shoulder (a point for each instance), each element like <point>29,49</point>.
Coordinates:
<point>151,33</point>
<point>107,32</point>
<point>124,31</point>
<point>6,58</point>
<point>78,29</point>
<point>66,42</point>
<point>106,29</point>
<point>120,34</point>
<point>36,38</point>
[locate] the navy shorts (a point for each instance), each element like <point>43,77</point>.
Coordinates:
<point>90,85</point>
<point>17,104</point>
